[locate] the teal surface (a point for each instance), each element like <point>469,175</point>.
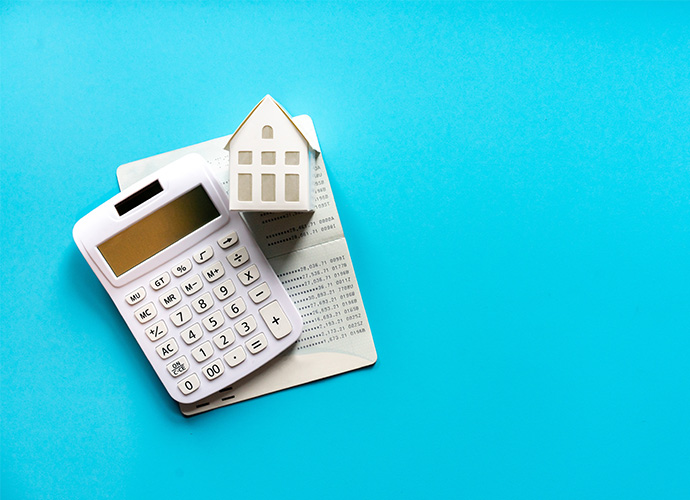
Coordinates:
<point>513,180</point>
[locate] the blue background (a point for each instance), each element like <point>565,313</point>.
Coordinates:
<point>513,183</point>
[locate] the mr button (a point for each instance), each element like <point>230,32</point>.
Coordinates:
<point>276,320</point>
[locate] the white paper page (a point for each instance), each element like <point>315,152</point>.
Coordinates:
<point>309,253</point>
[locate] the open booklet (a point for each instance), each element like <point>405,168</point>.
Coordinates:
<point>309,254</point>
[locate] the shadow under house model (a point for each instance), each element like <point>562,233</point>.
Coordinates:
<point>271,162</point>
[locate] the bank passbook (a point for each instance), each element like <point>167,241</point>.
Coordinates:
<point>189,280</point>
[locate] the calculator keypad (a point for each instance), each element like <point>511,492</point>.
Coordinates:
<point>210,317</point>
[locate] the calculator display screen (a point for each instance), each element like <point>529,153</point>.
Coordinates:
<point>158,230</point>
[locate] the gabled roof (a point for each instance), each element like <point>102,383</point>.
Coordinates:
<point>312,144</point>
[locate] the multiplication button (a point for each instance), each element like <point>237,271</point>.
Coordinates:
<point>189,384</point>
<point>249,275</point>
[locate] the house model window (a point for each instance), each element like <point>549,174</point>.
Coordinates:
<point>271,175</point>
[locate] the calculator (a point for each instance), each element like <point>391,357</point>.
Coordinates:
<point>189,280</point>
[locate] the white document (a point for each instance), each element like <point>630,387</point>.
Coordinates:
<point>309,254</point>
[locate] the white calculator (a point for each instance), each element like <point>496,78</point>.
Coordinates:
<point>189,280</point>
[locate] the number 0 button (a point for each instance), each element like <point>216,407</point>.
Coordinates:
<point>189,385</point>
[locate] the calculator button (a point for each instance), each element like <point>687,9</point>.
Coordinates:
<point>276,320</point>
<point>203,352</point>
<point>192,334</point>
<point>214,272</point>
<point>160,281</point>
<point>224,290</point>
<point>256,344</point>
<point>136,296</point>
<point>192,285</point>
<point>249,275</point>
<point>238,257</point>
<point>156,331</point>
<point>228,240</point>
<point>181,316</point>
<point>167,349</point>
<point>182,268</point>
<point>214,320</point>
<point>214,369</point>
<point>260,293</point>
<point>224,339</point>
<point>171,299</point>
<point>246,326</point>
<point>235,357</point>
<point>203,255</point>
<point>178,367</point>
<point>146,313</point>
<point>236,307</point>
<point>203,303</point>
<point>189,385</point>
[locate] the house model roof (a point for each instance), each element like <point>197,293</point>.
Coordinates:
<point>313,143</point>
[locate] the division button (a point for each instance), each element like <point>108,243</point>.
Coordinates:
<point>238,257</point>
